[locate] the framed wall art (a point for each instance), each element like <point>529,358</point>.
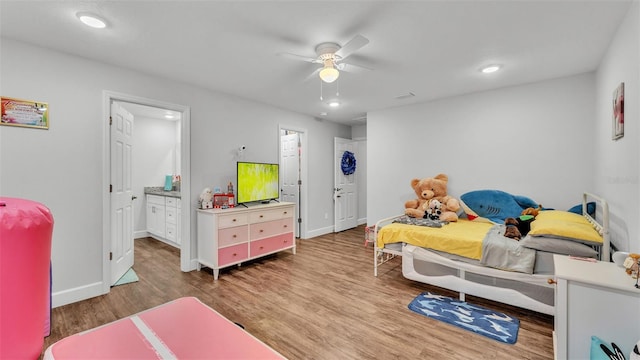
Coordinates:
<point>24,113</point>
<point>618,112</point>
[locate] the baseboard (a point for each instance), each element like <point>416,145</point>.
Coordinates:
<point>318,232</point>
<point>140,234</point>
<point>69,296</point>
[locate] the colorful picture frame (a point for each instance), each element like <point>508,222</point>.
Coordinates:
<point>618,112</point>
<point>24,113</point>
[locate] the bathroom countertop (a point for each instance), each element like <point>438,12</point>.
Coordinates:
<point>159,190</point>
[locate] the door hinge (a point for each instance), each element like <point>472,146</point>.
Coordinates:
<point>299,220</point>
<point>110,120</point>
<point>110,188</point>
<point>110,255</point>
<point>299,182</point>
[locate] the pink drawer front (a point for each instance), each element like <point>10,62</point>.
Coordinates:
<point>275,243</point>
<point>232,254</point>
<point>233,235</point>
<point>270,228</point>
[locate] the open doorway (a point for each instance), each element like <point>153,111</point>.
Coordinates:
<point>293,165</point>
<point>182,167</point>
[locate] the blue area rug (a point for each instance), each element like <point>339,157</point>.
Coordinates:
<point>128,277</point>
<point>492,324</point>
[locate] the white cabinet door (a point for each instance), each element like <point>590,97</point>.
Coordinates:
<point>155,219</point>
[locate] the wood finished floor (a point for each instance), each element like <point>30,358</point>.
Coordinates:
<point>322,303</point>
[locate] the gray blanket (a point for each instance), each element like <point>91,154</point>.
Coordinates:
<point>504,253</point>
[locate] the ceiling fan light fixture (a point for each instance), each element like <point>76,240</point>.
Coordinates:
<point>329,73</point>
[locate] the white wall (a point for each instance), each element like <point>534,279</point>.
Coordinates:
<point>533,140</point>
<point>616,169</point>
<point>62,167</point>
<point>155,142</point>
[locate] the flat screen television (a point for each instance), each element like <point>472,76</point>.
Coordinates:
<point>257,182</point>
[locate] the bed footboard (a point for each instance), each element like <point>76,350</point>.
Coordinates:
<point>382,255</point>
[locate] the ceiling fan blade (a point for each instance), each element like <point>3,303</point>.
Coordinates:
<point>352,46</point>
<point>299,57</point>
<point>313,75</point>
<point>348,67</point>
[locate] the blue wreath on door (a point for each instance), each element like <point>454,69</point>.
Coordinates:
<point>348,163</point>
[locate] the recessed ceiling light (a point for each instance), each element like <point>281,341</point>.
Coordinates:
<point>324,113</point>
<point>334,104</point>
<point>169,116</point>
<point>92,20</point>
<point>490,69</point>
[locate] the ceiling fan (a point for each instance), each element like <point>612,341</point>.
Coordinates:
<point>332,56</point>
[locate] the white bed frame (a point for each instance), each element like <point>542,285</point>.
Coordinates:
<point>460,281</point>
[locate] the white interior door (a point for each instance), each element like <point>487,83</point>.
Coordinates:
<point>290,173</point>
<point>345,190</point>
<point>121,130</point>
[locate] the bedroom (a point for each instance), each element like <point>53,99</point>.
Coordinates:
<point>607,167</point>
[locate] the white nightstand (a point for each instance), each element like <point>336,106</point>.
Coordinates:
<point>594,299</point>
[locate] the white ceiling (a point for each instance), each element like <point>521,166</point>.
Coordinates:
<point>430,48</point>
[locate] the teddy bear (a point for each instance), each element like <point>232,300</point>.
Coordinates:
<point>206,199</point>
<point>432,188</point>
<point>511,228</point>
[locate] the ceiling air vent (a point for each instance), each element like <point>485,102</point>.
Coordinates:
<point>405,96</point>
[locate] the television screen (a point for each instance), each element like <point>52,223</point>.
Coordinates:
<point>257,182</point>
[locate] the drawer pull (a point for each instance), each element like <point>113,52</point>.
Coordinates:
<point>261,247</point>
<point>285,226</point>
<point>234,254</point>
<point>286,241</point>
<point>285,213</point>
<point>261,216</point>
<point>261,230</point>
<point>234,220</point>
<point>235,236</point>
<point>551,281</point>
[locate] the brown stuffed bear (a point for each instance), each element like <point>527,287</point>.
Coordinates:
<point>432,188</point>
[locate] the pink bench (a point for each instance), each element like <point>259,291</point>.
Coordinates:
<point>181,329</point>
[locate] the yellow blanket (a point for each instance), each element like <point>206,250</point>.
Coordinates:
<point>462,238</point>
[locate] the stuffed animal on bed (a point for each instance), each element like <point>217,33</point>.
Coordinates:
<point>511,230</point>
<point>494,205</point>
<point>432,209</point>
<point>432,188</point>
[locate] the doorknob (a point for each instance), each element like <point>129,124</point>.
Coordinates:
<point>337,189</point>
<point>134,197</point>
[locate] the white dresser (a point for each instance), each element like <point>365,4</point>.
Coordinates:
<point>594,299</point>
<point>231,236</point>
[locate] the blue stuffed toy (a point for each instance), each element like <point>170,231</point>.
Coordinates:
<point>495,205</point>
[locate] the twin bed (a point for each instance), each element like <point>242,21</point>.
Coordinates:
<point>473,257</point>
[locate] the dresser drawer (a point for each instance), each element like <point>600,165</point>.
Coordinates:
<point>230,220</point>
<point>270,228</point>
<point>232,254</point>
<point>171,215</point>
<point>274,243</point>
<point>232,235</point>
<point>272,214</point>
